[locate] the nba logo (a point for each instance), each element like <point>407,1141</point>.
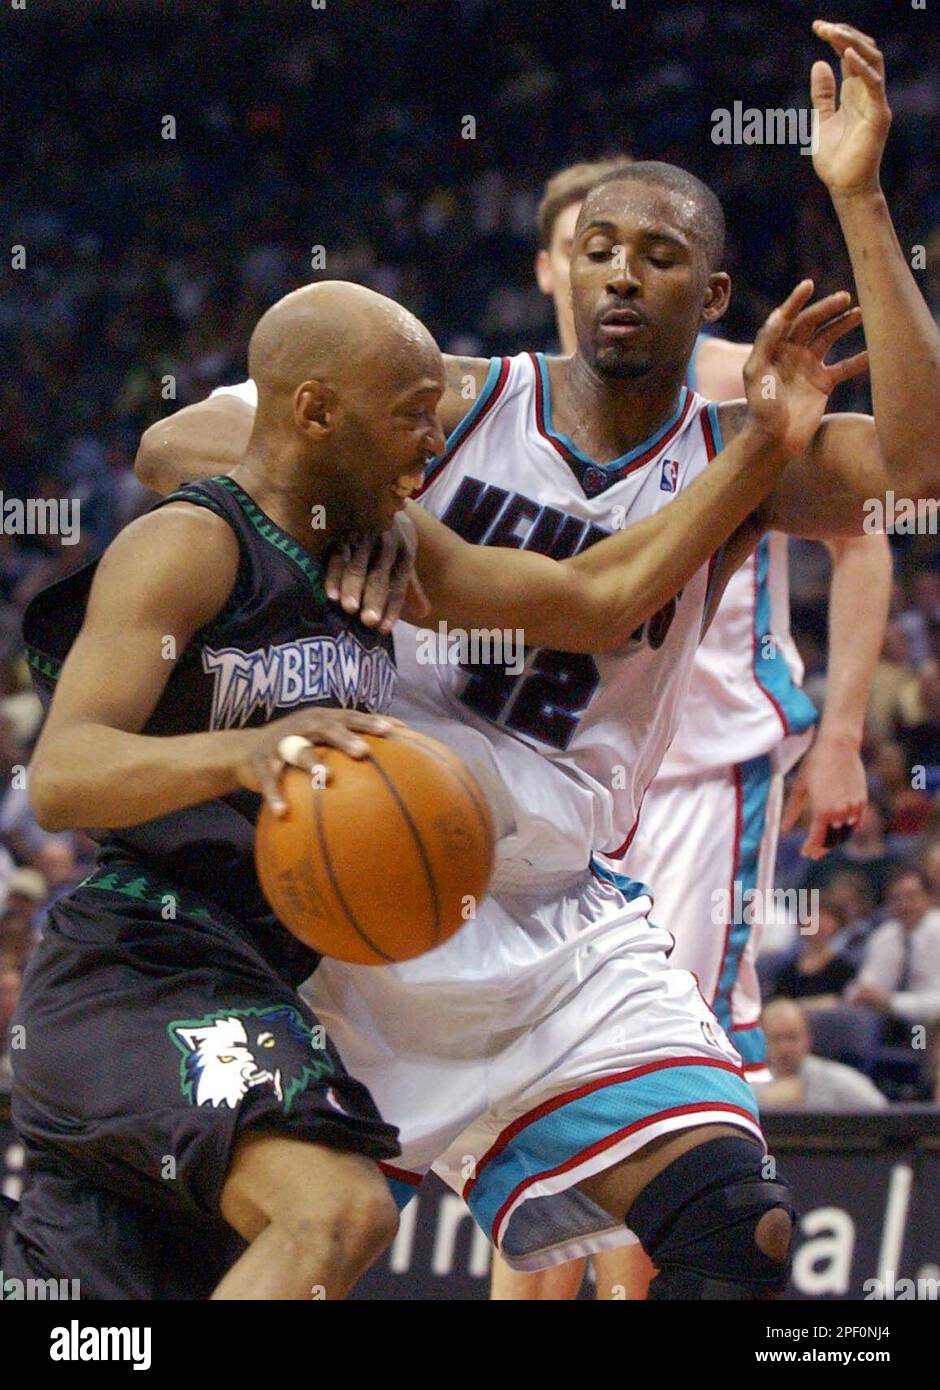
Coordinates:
<point>667,482</point>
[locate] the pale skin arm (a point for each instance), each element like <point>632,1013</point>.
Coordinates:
<point>464,378</point>
<point>832,776</point>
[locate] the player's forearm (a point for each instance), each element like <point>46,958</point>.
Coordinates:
<point>636,572</point>
<point>595,601</point>
<point>859,596</point>
<point>89,775</point>
<point>903,345</point>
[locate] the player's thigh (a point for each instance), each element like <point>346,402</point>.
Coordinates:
<point>617,1188</point>
<point>304,1187</point>
<point>687,855</point>
<point>543,1285</point>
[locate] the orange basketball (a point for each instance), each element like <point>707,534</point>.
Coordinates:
<point>387,860</point>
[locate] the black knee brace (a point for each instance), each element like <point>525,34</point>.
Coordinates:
<point>697,1220</point>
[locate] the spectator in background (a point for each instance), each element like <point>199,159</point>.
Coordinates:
<point>57,863</point>
<point>866,853</point>
<point>900,974</point>
<point>922,609</point>
<point>894,677</point>
<point>922,739</point>
<point>930,863</point>
<point>934,1063</point>
<point>9,759</point>
<point>816,973</point>
<point>11,980</point>
<point>851,893</point>
<point>802,1081</point>
<point>891,774</point>
<point>27,890</point>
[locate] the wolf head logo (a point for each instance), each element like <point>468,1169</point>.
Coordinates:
<point>228,1053</point>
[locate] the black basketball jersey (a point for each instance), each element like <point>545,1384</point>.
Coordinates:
<point>278,645</point>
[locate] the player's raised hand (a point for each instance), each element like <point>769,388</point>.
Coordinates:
<point>852,133</point>
<point>831,781</point>
<point>786,378</point>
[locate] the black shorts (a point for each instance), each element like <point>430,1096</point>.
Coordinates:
<point>150,1045</point>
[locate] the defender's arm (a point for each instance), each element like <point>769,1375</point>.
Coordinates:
<point>198,441</point>
<point>593,602</point>
<point>211,436</point>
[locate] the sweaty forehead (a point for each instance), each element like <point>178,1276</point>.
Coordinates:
<point>633,203</point>
<point>406,362</point>
<point>394,360</point>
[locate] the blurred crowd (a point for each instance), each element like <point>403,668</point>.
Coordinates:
<point>406,147</point>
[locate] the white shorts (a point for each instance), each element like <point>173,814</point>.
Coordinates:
<point>699,836</point>
<point>542,1044</point>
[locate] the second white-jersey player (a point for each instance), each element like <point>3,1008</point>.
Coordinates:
<point>718,796</point>
<point>707,836</point>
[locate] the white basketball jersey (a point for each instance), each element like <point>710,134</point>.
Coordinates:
<point>744,697</point>
<point>246,391</point>
<point>572,740</point>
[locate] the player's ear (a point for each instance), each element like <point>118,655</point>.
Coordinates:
<point>315,408</point>
<point>543,272</point>
<point>717,296</point>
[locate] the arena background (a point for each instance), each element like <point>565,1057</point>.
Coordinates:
<point>136,260</point>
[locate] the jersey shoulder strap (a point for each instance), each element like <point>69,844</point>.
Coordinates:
<point>504,380</point>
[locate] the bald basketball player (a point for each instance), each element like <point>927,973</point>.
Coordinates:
<point>190,1130</point>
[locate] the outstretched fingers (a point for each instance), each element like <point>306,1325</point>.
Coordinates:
<point>860,54</point>
<point>815,316</point>
<point>847,368</point>
<point>842,37</point>
<point>835,329</point>
<point>779,323</point>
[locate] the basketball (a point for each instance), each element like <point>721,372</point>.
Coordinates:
<point>384,862</point>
